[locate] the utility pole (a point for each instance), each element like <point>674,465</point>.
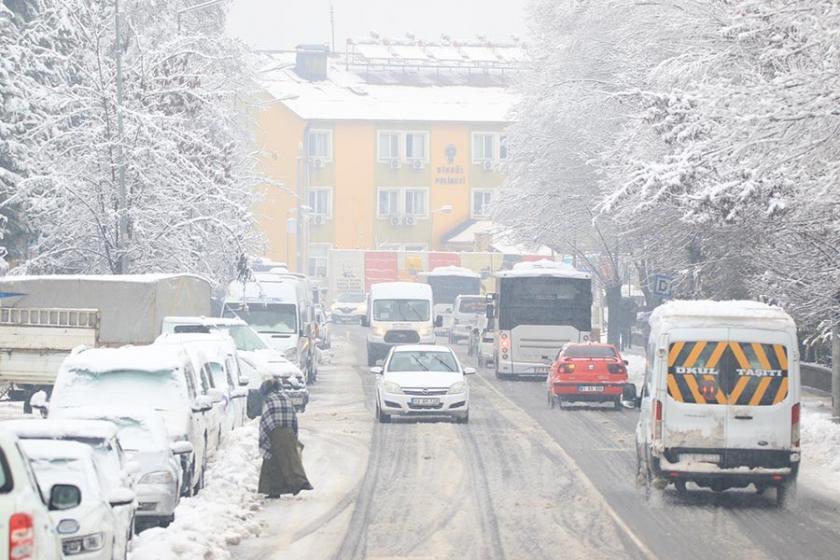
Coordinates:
<point>332,26</point>
<point>122,206</point>
<point>835,371</point>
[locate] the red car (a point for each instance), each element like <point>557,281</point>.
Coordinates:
<point>587,372</point>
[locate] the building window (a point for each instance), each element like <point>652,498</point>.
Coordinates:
<point>388,146</point>
<point>320,201</point>
<point>488,146</point>
<point>318,256</point>
<point>389,203</point>
<point>320,145</point>
<point>482,200</point>
<point>415,202</point>
<point>415,146</point>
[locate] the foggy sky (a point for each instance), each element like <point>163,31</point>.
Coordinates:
<point>282,24</point>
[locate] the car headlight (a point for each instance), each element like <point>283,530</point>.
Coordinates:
<point>79,545</point>
<point>393,388</point>
<point>290,354</point>
<point>157,477</point>
<point>457,388</point>
<point>379,331</point>
<point>424,331</point>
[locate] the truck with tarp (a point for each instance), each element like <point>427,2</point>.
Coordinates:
<point>43,318</point>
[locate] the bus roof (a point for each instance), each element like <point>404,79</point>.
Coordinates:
<point>452,271</point>
<point>543,268</point>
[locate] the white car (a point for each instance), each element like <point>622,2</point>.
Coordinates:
<point>28,530</point>
<point>100,436</point>
<point>146,443</point>
<point>160,378</point>
<point>422,380</point>
<point>349,307</point>
<point>93,530</point>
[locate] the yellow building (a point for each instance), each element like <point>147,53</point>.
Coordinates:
<point>389,146</point>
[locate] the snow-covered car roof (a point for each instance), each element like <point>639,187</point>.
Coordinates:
<point>213,344</point>
<point>205,321</point>
<point>60,429</point>
<point>61,462</point>
<point>127,358</point>
<point>545,267</point>
<point>42,449</point>
<point>400,290</point>
<point>123,418</point>
<point>451,270</point>
<point>716,312</point>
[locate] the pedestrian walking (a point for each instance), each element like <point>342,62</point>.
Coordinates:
<point>282,469</point>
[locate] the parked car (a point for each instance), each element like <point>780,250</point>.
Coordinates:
<point>28,529</point>
<point>95,529</point>
<point>422,380</point>
<point>349,307</point>
<point>468,313</point>
<point>161,378</point>
<point>323,336</point>
<point>145,441</point>
<point>590,372</point>
<point>258,362</point>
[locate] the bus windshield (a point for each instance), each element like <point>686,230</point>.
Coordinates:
<point>446,288</point>
<point>545,301</point>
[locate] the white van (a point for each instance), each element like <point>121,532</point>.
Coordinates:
<point>468,314</point>
<point>720,399</point>
<point>398,313</point>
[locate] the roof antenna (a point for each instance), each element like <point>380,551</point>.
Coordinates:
<point>332,25</point>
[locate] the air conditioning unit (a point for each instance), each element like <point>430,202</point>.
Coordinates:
<point>318,163</point>
<point>395,220</point>
<point>417,164</point>
<point>487,165</point>
<point>395,164</point>
<point>410,220</point>
<point>318,220</point>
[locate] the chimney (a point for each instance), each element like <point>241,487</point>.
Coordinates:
<point>311,62</point>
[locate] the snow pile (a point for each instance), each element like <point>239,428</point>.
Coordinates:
<point>821,441</point>
<point>220,516</point>
<point>635,367</point>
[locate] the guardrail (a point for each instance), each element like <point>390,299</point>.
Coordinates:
<point>815,376</point>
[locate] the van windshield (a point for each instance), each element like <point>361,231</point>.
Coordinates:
<point>477,306</point>
<point>727,372</point>
<point>268,317</point>
<point>401,310</point>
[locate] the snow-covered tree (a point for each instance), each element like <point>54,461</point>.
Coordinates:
<point>142,161</point>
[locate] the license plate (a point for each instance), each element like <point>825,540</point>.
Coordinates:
<point>590,388</point>
<point>425,402</point>
<point>542,369</point>
<point>700,457</point>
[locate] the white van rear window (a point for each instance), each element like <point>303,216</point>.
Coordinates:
<point>727,372</point>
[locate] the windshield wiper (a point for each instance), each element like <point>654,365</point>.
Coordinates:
<point>416,359</point>
<point>442,362</point>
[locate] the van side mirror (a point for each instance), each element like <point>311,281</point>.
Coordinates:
<point>64,497</point>
<point>439,321</point>
<point>490,312</point>
<point>376,370</point>
<point>469,371</point>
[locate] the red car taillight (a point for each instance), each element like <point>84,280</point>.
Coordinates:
<point>657,419</point>
<point>566,368</point>
<point>21,537</point>
<point>794,425</point>
<point>616,368</point>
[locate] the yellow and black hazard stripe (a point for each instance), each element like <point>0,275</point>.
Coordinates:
<point>725,372</point>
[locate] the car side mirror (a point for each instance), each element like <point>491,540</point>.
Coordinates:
<point>203,403</point>
<point>365,321</point>
<point>439,321</point>
<point>469,371</point>
<point>64,497</point>
<point>121,497</point>
<point>244,381</point>
<point>182,448</point>
<point>376,370</point>
<point>215,395</point>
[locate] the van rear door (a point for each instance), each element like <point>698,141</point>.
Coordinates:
<point>763,390</point>
<point>695,407</point>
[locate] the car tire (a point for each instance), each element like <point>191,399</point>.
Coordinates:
<point>785,493</point>
<point>680,485</point>
<point>381,416</point>
<point>617,404</point>
<point>465,419</point>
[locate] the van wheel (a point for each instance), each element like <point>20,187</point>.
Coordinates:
<point>786,493</point>
<point>680,485</point>
<point>760,489</point>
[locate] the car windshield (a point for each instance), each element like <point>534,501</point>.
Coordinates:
<point>423,360</point>
<point>477,306</point>
<point>401,310</point>
<point>350,298</point>
<point>245,338</point>
<point>136,435</point>
<point>585,351</point>
<point>160,390</point>
<point>269,317</point>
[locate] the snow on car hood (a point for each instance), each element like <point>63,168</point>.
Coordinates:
<point>426,379</point>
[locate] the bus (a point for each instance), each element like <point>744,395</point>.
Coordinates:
<point>539,307</point>
<point>449,282</point>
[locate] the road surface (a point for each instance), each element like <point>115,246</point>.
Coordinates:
<point>519,481</point>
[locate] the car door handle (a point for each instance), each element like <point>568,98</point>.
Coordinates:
<point>743,417</point>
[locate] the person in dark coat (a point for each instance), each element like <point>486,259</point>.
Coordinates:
<point>282,470</point>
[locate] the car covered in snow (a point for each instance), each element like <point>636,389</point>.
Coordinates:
<point>588,372</point>
<point>422,380</point>
<point>145,441</point>
<point>95,529</point>
<point>720,402</point>
<point>160,378</point>
<point>28,530</point>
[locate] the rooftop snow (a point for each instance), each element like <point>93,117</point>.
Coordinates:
<point>543,268</point>
<point>127,358</point>
<point>452,271</point>
<point>346,95</point>
<point>61,429</point>
<point>709,309</point>
<point>139,278</point>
